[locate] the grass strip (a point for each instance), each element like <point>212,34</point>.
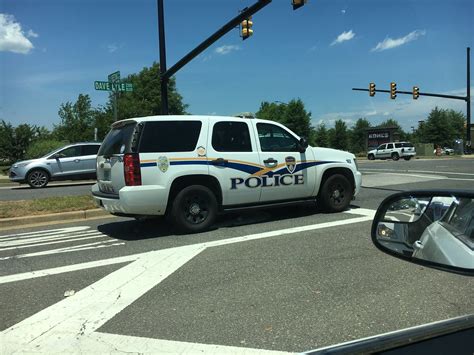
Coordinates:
<point>9,209</point>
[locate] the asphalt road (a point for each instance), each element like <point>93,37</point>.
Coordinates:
<point>15,192</point>
<point>283,280</point>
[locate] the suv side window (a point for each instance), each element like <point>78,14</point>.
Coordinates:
<point>169,136</point>
<point>229,136</point>
<point>70,152</point>
<point>275,139</point>
<point>398,145</point>
<point>381,146</point>
<point>90,149</point>
<point>390,146</point>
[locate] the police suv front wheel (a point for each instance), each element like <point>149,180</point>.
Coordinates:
<point>194,209</point>
<point>336,193</point>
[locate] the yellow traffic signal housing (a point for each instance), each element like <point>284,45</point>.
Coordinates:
<point>297,3</point>
<point>416,92</point>
<point>393,90</point>
<point>246,26</point>
<point>372,89</point>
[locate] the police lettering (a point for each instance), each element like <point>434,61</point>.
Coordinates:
<point>266,181</point>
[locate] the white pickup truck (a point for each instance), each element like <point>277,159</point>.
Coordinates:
<point>193,167</point>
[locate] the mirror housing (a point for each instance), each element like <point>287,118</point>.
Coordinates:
<point>433,228</point>
<point>302,145</point>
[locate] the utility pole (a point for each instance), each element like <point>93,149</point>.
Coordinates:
<point>163,79</point>
<point>468,101</point>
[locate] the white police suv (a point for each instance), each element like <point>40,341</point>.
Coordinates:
<point>193,167</point>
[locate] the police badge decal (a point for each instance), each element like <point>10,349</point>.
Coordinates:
<point>163,164</point>
<point>290,164</point>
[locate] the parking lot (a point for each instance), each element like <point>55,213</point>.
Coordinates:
<point>285,280</point>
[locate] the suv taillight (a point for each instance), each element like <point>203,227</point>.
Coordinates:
<point>131,170</point>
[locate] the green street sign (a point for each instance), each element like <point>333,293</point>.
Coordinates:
<point>116,87</point>
<point>102,85</point>
<point>114,77</point>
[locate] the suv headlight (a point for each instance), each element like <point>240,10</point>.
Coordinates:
<point>20,165</point>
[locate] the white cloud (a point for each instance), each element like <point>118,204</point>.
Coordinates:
<point>343,37</point>
<point>12,37</point>
<point>343,11</point>
<point>389,43</point>
<point>32,34</point>
<point>113,47</point>
<point>226,49</point>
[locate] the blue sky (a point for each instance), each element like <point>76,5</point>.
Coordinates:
<point>52,50</point>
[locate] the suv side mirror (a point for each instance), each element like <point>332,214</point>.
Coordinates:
<point>433,228</point>
<point>302,145</point>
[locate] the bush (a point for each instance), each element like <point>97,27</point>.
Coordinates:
<point>42,147</point>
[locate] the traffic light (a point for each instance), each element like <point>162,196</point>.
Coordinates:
<point>416,92</point>
<point>372,89</point>
<point>393,90</point>
<point>246,26</point>
<point>297,3</point>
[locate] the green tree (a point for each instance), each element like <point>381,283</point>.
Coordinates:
<point>358,135</point>
<point>77,121</point>
<point>441,127</point>
<point>322,135</point>
<point>339,137</point>
<point>42,147</point>
<point>293,115</point>
<point>145,99</point>
<point>14,141</point>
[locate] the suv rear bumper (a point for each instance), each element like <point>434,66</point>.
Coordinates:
<point>133,200</point>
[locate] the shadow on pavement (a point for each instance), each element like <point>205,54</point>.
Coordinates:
<point>160,227</point>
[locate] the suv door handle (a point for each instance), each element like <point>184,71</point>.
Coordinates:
<point>219,161</point>
<point>77,160</point>
<point>270,162</point>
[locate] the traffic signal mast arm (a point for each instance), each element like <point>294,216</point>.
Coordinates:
<point>244,15</point>
<point>464,98</point>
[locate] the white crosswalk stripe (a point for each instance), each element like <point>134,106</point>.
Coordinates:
<point>41,239</point>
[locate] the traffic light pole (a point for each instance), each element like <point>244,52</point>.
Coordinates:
<point>163,80</point>
<point>466,98</point>
<point>165,75</point>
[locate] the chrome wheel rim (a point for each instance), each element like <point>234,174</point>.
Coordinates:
<point>38,179</point>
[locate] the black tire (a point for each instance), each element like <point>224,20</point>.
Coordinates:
<point>194,209</point>
<point>371,157</point>
<point>407,158</point>
<point>395,156</point>
<point>336,193</point>
<point>37,178</point>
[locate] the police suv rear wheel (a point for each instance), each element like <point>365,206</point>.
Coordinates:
<point>336,193</point>
<point>194,209</point>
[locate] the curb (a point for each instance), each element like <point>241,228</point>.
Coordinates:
<point>53,218</point>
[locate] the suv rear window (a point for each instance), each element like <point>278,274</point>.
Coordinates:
<point>117,140</point>
<point>169,136</point>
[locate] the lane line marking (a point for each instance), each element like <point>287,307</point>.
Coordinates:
<point>67,324</point>
<point>68,268</point>
<point>63,250</point>
<point>418,171</point>
<point>100,343</point>
<point>46,238</point>
<point>40,244</point>
<point>48,231</point>
<point>368,213</point>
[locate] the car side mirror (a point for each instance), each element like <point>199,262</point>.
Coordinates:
<point>302,145</point>
<point>431,228</point>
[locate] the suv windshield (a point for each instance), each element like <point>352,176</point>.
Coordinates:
<point>117,140</point>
